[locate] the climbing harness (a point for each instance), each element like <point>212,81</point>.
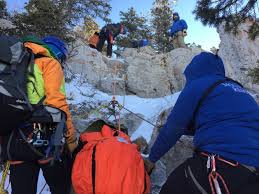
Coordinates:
<point>214,177</point>
<point>3,180</point>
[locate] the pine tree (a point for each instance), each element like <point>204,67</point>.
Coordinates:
<point>137,26</point>
<point>3,10</point>
<point>232,12</point>
<point>58,17</point>
<point>162,18</point>
<point>254,73</point>
<point>90,27</point>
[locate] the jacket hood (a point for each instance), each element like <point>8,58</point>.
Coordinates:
<point>203,65</point>
<point>38,47</point>
<point>178,17</point>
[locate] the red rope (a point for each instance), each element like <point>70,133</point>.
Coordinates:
<point>214,176</point>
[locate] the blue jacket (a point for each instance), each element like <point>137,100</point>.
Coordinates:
<point>227,123</point>
<point>178,25</point>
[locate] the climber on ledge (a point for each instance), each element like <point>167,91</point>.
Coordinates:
<point>178,31</point>
<point>224,119</point>
<point>109,33</point>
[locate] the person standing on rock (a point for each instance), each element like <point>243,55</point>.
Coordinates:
<point>224,119</point>
<point>178,31</point>
<point>109,33</point>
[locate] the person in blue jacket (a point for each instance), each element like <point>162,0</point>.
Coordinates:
<point>178,31</point>
<point>226,135</point>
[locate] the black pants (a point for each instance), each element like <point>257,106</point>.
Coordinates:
<point>24,177</point>
<point>191,177</point>
<point>103,36</point>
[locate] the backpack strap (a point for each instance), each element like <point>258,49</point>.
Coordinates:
<point>203,98</point>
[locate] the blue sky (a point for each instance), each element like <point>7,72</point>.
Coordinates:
<point>203,35</point>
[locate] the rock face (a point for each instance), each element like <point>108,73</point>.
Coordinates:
<point>142,72</point>
<point>97,69</point>
<point>155,75</point>
<point>239,54</point>
<point>148,74</point>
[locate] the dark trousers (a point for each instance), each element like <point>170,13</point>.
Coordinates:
<point>191,177</point>
<point>103,36</point>
<point>24,177</point>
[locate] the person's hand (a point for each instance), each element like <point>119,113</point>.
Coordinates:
<point>72,146</point>
<point>71,141</point>
<point>149,166</point>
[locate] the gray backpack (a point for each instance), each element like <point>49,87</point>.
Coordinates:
<point>16,62</point>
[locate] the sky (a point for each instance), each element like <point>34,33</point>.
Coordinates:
<point>205,36</point>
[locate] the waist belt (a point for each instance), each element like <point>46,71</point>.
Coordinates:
<point>230,162</point>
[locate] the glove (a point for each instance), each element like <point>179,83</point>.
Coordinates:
<point>149,166</point>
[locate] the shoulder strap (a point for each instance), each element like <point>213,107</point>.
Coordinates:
<point>204,96</point>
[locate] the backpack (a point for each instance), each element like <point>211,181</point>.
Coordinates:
<point>94,40</point>
<point>15,62</point>
<point>109,163</point>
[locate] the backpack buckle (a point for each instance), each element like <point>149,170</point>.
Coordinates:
<point>40,142</point>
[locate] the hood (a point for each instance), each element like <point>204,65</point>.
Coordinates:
<point>176,14</point>
<point>204,64</point>
<point>38,47</point>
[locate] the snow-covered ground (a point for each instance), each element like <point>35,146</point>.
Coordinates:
<point>84,93</point>
<point>151,108</point>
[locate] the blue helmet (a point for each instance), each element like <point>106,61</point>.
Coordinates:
<point>57,46</point>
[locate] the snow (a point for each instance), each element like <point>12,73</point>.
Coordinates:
<point>82,92</point>
<point>79,92</point>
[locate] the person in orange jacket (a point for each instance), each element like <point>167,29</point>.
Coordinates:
<point>48,83</point>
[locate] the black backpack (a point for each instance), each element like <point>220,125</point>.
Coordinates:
<point>16,62</point>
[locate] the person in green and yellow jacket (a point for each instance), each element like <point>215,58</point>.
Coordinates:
<point>47,81</point>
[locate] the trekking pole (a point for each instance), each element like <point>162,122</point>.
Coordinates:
<point>4,175</point>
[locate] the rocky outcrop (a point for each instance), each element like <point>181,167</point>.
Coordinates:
<point>154,75</point>
<point>146,73</point>
<point>142,72</point>
<point>97,69</point>
<point>240,54</point>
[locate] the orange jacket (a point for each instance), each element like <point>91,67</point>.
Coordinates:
<point>48,80</point>
<point>109,164</point>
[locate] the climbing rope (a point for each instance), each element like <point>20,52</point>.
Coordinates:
<point>4,175</point>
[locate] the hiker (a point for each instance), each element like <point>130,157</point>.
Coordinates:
<point>224,119</point>
<point>116,165</point>
<point>93,40</point>
<point>109,33</point>
<point>178,31</point>
<point>47,79</point>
